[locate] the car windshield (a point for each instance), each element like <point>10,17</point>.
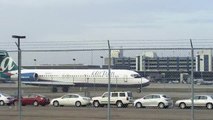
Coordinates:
<point>41,95</point>
<point>34,95</point>
<point>129,94</point>
<point>6,95</point>
<point>166,96</point>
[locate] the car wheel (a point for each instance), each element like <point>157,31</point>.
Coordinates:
<point>182,105</point>
<point>119,104</point>
<point>35,103</point>
<point>78,104</point>
<point>55,103</point>
<point>2,103</point>
<point>161,105</point>
<point>209,106</point>
<point>96,104</point>
<point>138,105</point>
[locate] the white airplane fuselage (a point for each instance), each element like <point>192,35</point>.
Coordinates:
<point>82,77</point>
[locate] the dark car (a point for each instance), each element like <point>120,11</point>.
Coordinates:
<point>34,99</point>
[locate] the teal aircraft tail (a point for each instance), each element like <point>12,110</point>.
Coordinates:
<point>6,63</point>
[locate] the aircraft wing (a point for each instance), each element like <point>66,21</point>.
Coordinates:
<point>36,83</point>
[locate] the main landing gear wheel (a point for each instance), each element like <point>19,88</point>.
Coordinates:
<point>139,90</point>
<point>65,89</point>
<point>54,89</point>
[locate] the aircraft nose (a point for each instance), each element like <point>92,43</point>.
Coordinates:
<point>146,82</point>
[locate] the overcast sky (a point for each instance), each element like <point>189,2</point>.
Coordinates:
<point>81,20</point>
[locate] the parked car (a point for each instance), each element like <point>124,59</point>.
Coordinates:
<point>6,99</point>
<point>153,100</point>
<point>199,101</point>
<point>71,100</point>
<point>120,99</point>
<point>34,99</point>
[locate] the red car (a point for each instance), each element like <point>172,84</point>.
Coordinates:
<point>34,99</point>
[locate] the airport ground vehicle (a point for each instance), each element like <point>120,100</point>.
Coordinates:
<point>120,99</point>
<point>71,100</point>
<point>199,101</point>
<point>6,99</point>
<point>34,99</point>
<point>154,100</point>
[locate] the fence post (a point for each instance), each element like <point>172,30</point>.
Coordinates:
<point>109,82</point>
<point>192,80</point>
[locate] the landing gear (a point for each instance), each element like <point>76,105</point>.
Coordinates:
<point>54,89</point>
<point>65,89</point>
<point>139,90</point>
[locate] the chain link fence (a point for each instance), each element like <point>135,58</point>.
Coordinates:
<point>166,64</point>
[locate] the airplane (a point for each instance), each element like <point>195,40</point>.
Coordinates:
<point>65,78</point>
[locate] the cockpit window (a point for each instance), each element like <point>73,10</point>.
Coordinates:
<point>136,75</point>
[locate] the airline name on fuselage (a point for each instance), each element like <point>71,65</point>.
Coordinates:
<point>103,74</point>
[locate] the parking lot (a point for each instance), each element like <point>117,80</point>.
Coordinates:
<point>90,113</point>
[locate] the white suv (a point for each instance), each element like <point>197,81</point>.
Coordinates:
<point>120,99</point>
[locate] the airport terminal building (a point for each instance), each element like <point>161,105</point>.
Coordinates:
<point>165,69</point>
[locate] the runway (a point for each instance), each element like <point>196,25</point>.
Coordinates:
<point>175,91</point>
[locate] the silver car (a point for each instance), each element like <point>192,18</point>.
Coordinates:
<point>154,100</point>
<point>71,100</point>
<point>6,99</point>
<point>199,101</point>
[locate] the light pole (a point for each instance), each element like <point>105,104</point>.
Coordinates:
<point>74,62</point>
<point>19,72</point>
<point>102,60</point>
<point>35,63</point>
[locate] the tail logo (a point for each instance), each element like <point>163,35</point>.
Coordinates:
<point>7,64</point>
